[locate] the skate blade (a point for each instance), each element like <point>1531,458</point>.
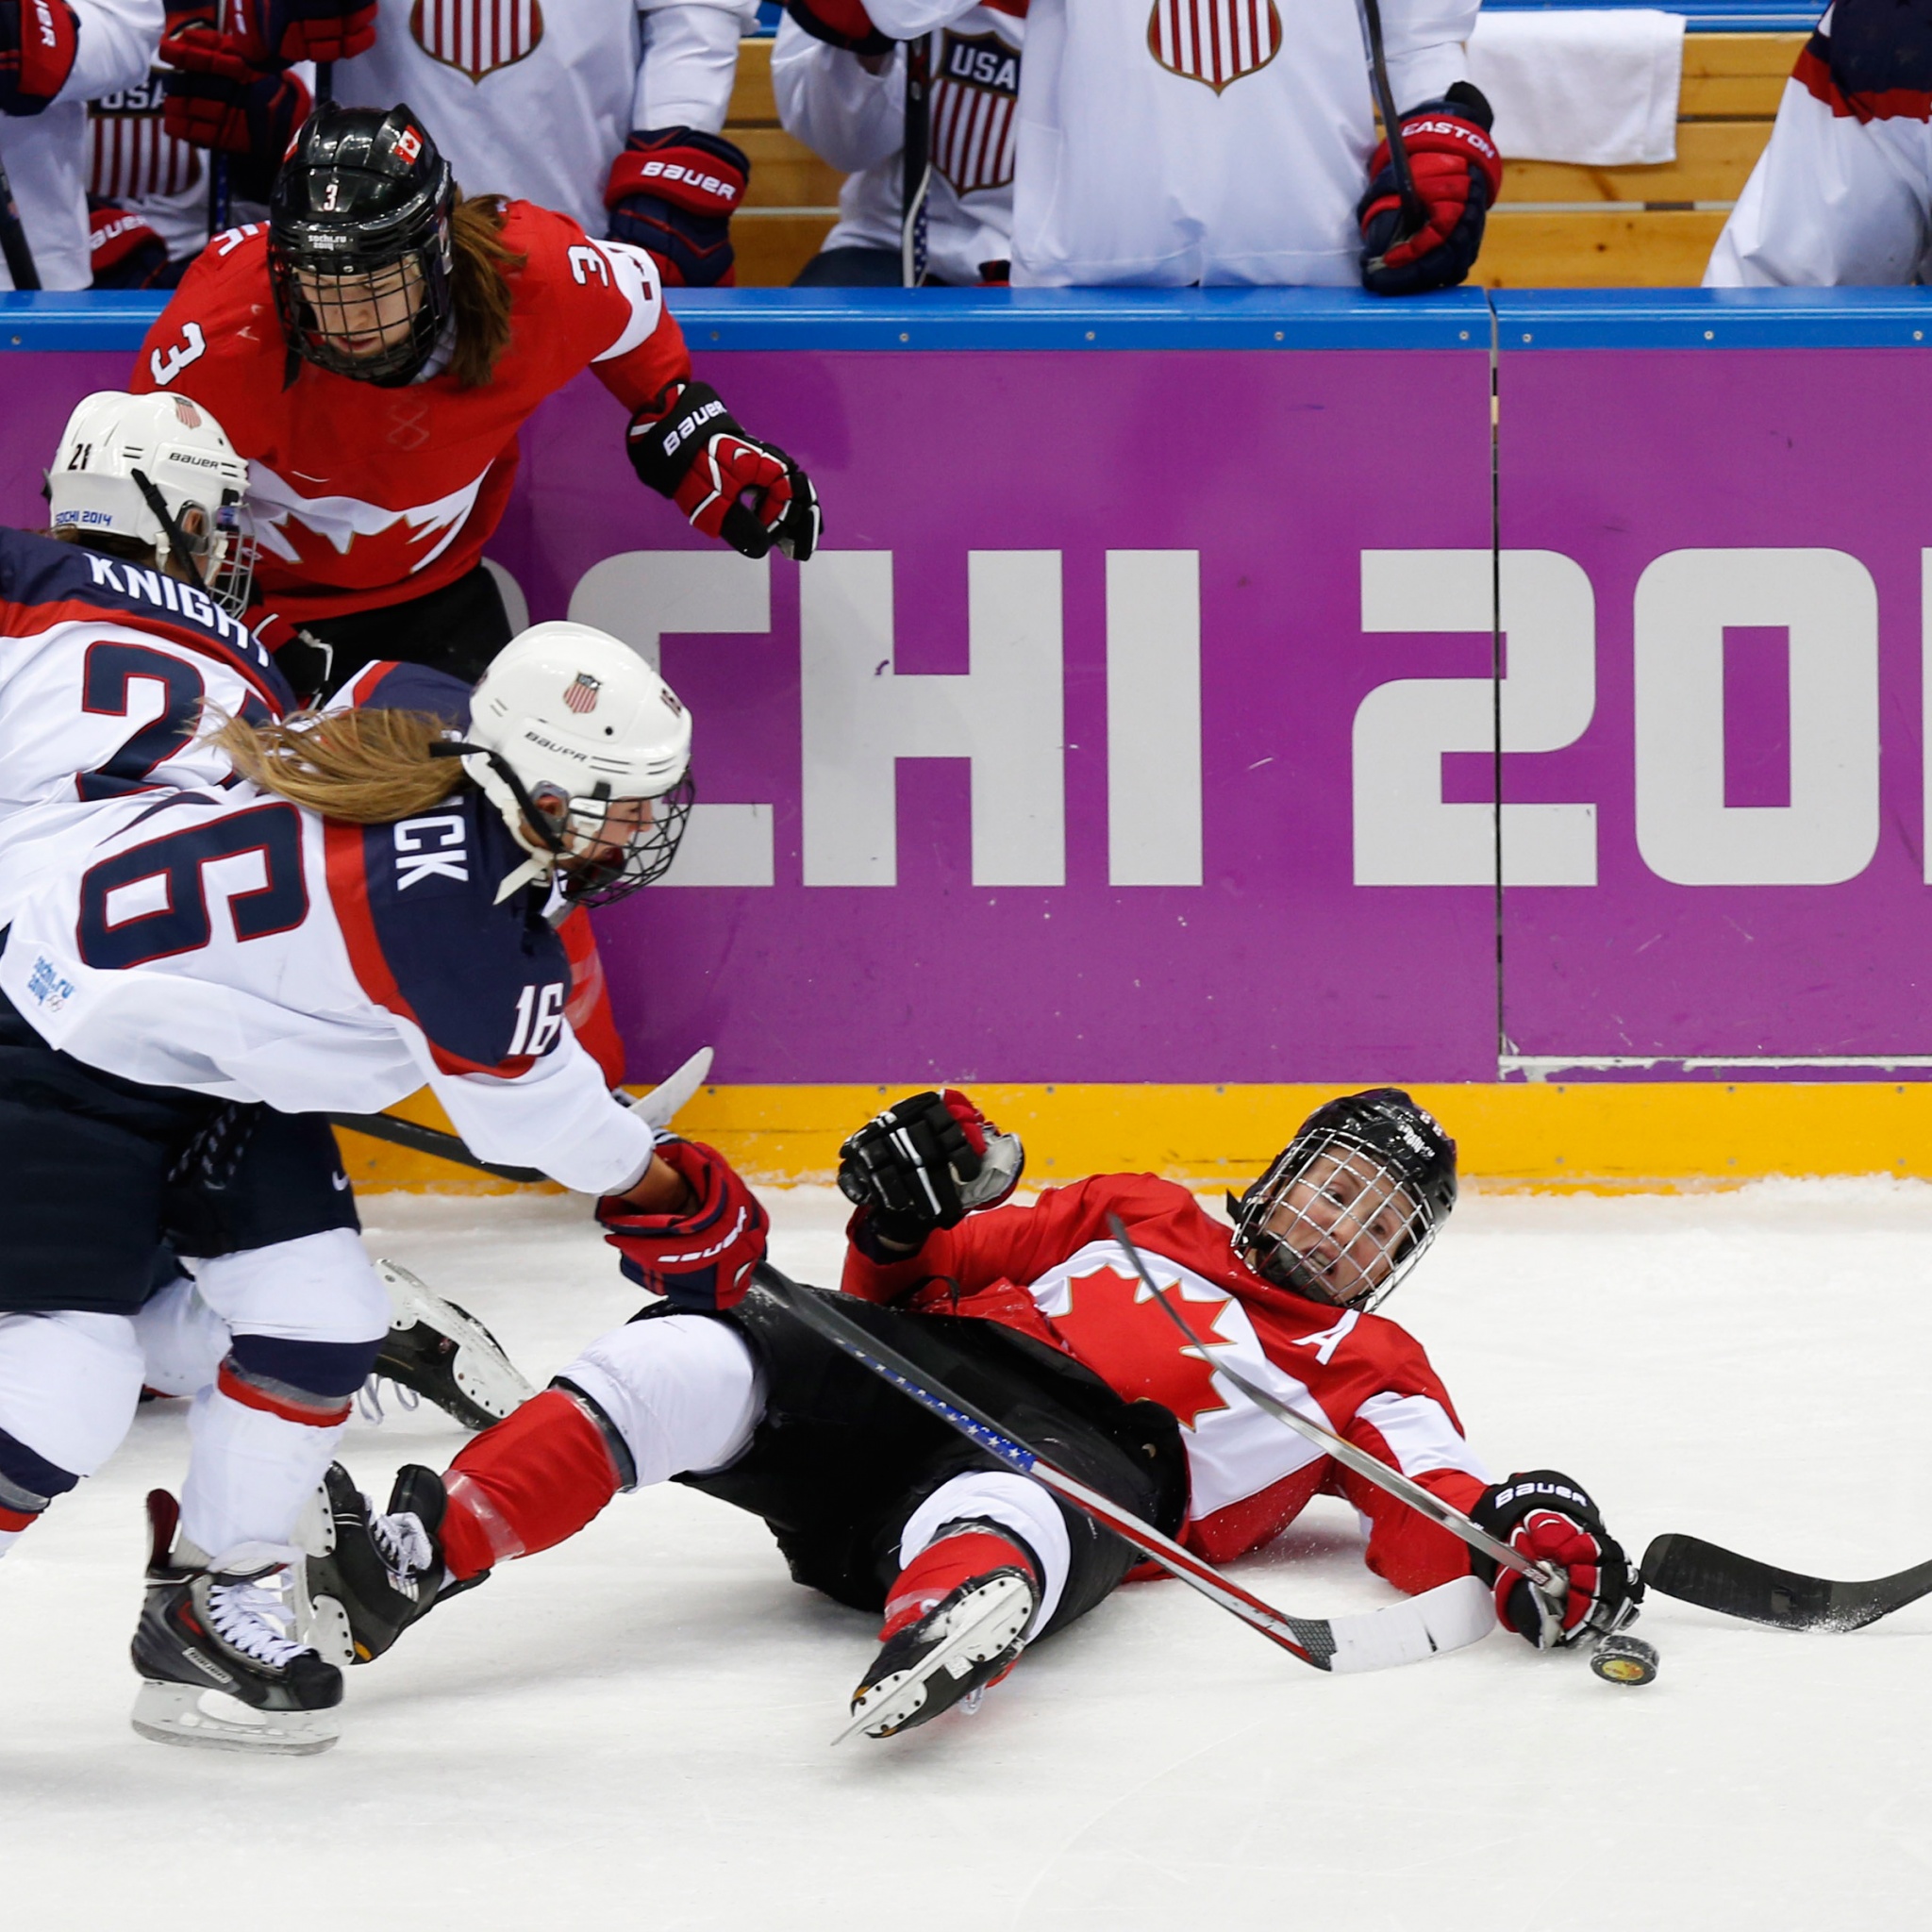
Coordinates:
<point>211,1721</point>
<point>481,1370</point>
<point>977,1631</point>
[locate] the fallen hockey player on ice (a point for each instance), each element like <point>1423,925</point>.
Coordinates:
<point>1036,1315</point>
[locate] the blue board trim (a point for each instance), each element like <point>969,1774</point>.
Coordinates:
<point>722,321</point>
<point>1538,319</point>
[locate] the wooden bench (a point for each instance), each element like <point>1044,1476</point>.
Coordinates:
<point>1556,227</point>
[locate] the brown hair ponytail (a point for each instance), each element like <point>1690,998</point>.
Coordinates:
<point>369,767</point>
<point>480,270</point>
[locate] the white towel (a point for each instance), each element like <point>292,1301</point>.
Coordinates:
<point>1598,88</point>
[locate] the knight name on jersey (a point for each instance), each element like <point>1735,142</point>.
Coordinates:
<point>168,593</point>
<point>434,846</point>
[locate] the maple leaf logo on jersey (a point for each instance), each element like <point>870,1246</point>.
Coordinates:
<point>476,37</point>
<point>1111,1324</point>
<point>1214,41</point>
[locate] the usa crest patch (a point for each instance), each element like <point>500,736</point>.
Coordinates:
<point>477,37</point>
<point>582,695</point>
<point>1214,41</point>
<point>972,108</point>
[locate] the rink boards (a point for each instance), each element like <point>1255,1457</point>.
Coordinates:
<point>1133,748</point>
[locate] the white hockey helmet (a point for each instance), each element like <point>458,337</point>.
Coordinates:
<point>569,731</point>
<point>160,470</point>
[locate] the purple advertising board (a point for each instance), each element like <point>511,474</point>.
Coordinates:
<point>1719,559</point>
<point>1138,720</point>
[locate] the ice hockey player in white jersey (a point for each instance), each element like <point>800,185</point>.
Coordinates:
<point>1168,142</point>
<point>1843,194</point>
<point>54,57</point>
<point>183,995</point>
<point>609,110</point>
<point>850,108</point>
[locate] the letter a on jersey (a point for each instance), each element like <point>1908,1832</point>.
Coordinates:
<point>476,37</point>
<point>1216,41</point>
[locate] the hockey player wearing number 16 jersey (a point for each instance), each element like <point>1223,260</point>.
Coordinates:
<point>358,907</point>
<point>1037,1316</point>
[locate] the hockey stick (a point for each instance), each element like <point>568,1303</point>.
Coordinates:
<point>1616,1657</point>
<point>1444,1619</point>
<point>1344,1451</point>
<point>657,1108</point>
<point>13,242</point>
<point>1699,1573</point>
<point>916,162</point>
<point>1415,213</point>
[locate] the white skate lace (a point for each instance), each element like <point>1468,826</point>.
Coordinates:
<point>255,1619</point>
<point>403,1544</point>
<point>369,1399</point>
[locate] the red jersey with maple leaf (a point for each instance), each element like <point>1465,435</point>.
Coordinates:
<point>365,496</point>
<point>1054,1271</point>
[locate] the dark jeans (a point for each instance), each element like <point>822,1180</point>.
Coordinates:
<point>853,267</point>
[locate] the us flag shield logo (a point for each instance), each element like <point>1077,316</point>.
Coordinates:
<point>582,695</point>
<point>973,102</point>
<point>476,37</point>
<point>1214,41</point>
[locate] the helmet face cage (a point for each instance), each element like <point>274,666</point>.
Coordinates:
<point>644,857</point>
<point>232,580</point>
<point>1334,1220</point>
<point>359,241</point>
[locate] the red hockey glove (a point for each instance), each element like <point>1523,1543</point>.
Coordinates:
<point>674,192</point>
<point>1458,174</point>
<point>123,251</point>
<point>703,1257</point>
<point>839,24</point>
<point>926,1162</point>
<point>1552,1521</point>
<point>218,97</point>
<point>686,445</point>
<point>277,33</point>
<point>38,39</point>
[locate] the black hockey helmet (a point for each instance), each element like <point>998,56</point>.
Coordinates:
<point>1377,1177</point>
<point>364,194</point>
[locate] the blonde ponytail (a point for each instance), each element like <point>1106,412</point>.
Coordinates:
<point>369,767</point>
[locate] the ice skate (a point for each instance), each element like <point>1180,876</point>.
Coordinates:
<point>221,1668</point>
<point>369,1576</point>
<point>442,1352</point>
<point>967,1640</point>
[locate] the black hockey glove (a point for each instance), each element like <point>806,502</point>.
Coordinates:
<point>1553,1520</point>
<point>926,1163</point>
<point>685,445</point>
<point>1458,174</point>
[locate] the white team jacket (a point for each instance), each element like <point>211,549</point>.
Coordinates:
<point>1164,142</point>
<point>45,153</point>
<point>857,121</point>
<point>536,102</point>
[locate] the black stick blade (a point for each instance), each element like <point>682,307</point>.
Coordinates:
<point>1699,1573</point>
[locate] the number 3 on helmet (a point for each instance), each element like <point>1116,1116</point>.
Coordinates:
<point>586,751</point>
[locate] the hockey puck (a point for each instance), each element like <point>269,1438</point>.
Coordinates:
<point>1620,1659</point>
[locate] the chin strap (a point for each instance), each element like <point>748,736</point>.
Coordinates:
<point>537,865</point>
<point>177,543</point>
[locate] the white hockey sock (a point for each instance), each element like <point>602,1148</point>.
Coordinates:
<point>249,1472</point>
<point>1014,1501</point>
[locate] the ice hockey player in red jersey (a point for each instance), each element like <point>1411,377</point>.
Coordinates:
<point>372,354</point>
<point>1036,1314</point>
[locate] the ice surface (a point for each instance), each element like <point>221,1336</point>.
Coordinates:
<point>632,1730</point>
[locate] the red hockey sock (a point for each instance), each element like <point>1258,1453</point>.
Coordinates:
<point>526,1484</point>
<point>941,1567</point>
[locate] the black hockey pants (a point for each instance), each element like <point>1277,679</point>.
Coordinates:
<point>843,1459</point>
